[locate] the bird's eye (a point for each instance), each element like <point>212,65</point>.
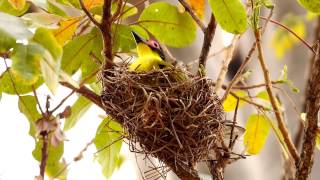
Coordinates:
<point>155,44</point>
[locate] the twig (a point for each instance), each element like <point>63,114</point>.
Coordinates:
<point>86,11</point>
<point>208,37</point>
<point>44,153</point>
<point>193,15</point>
<point>226,61</point>
<point>35,95</point>
<point>62,101</point>
<point>234,123</point>
<point>237,77</point>
<point>293,33</point>
<point>312,109</point>
<point>282,127</point>
<point>93,97</point>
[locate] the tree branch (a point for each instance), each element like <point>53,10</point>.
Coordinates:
<point>281,125</point>
<point>312,109</point>
<point>86,11</point>
<point>44,153</point>
<point>193,15</point>
<point>208,37</point>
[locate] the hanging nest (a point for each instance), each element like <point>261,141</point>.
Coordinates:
<point>180,122</point>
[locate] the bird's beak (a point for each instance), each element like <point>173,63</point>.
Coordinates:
<point>137,38</point>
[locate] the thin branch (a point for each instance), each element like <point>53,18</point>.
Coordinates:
<point>193,15</point>
<point>312,110</point>
<point>44,153</point>
<point>93,97</point>
<point>36,96</point>
<point>208,37</point>
<point>226,62</point>
<point>289,30</point>
<point>86,11</point>
<point>281,125</point>
<point>237,77</point>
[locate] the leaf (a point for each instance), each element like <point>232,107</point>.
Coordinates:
<point>50,69</point>
<point>26,63</point>
<point>168,25</point>
<point>231,102</point>
<point>6,7</point>
<point>123,39</point>
<point>108,142</point>
<point>230,15</point>
<point>42,19</point>
<point>28,106</point>
<point>54,7</point>
<point>257,131</point>
<point>318,140</point>
<point>280,138</point>
<point>66,30</point>
<point>6,42</point>
<point>284,79</point>
<point>89,4</point>
<point>311,5</point>
<point>75,51</point>
<point>46,38</point>
<point>127,11</point>
<point>282,40</point>
<point>14,27</point>
<point>77,111</point>
<point>17,4</point>
<point>198,6</point>
<point>7,87</point>
<point>268,4</point>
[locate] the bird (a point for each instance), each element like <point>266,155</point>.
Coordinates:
<point>150,55</point>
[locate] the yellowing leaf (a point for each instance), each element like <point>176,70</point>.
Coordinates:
<point>311,5</point>
<point>89,4</point>
<point>283,40</point>
<point>17,4</point>
<point>257,130</point>
<point>198,7</point>
<point>318,139</point>
<point>231,102</point>
<point>66,30</point>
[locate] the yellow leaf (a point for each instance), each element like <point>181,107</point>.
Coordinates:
<point>318,139</point>
<point>198,7</point>
<point>89,4</point>
<point>66,30</point>
<point>257,130</point>
<point>231,102</point>
<point>282,40</point>
<point>17,4</point>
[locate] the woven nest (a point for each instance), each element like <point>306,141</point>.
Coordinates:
<point>176,121</point>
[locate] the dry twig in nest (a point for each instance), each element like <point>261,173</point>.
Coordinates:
<point>180,122</point>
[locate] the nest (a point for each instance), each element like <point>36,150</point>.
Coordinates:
<point>177,121</point>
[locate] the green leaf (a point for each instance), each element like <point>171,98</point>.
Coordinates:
<point>26,63</point>
<point>7,87</point>
<point>42,19</point>
<point>268,4</point>
<point>108,142</point>
<point>311,5</point>
<point>78,109</point>
<point>55,168</point>
<point>282,40</point>
<point>257,131</point>
<point>230,15</point>
<point>123,39</point>
<point>55,8</point>
<point>46,38</point>
<point>168,25</point>
<point>231,102</point>
<point>6,41</point>
<point>75,51</point>
<point>14,26</point>
<point>6,7</point>
<point>128,10</point>
<point>28,106</point>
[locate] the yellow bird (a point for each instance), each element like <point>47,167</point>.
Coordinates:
<point>150,55</point>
